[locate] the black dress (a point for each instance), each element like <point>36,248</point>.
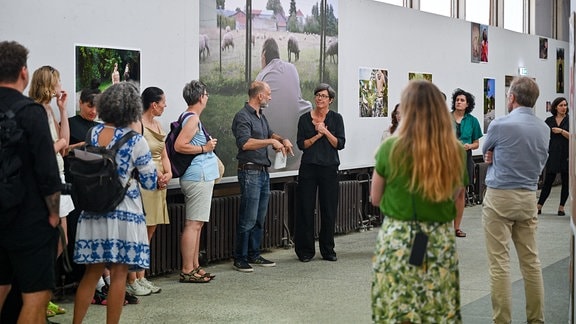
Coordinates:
<point>558,147</point>
<point>557,162</point>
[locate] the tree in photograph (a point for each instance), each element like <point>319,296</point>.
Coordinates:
<point>292,19</point>
<point>292,11</point>
<point>275,6</point>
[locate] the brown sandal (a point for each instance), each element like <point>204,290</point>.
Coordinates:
<point>193,277</point>
<point>205,274</point>
<point>459,233</point>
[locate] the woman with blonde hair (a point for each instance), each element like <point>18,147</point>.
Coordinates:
<point>418,182</point>
<point>45,86</point>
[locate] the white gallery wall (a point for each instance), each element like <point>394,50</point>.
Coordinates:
<point>403,40</point>
<point>165,33</point>
<point>371,34</point>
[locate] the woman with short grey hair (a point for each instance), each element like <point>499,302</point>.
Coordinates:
<point>117,239</point>
<point>197,183</point>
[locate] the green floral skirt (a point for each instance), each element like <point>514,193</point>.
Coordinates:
<point>402,292</point>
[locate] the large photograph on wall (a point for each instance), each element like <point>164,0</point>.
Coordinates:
<point>507,82</point>
<point>543,53</point>
<point>419,76</point>
<point>373,96</point>
<point>291,45</point>
<point>100,67</point>
<point>479,42</point>
<point>559,70</point>
<point>489,102</point>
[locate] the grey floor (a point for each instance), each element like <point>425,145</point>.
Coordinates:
<point>338,292</point>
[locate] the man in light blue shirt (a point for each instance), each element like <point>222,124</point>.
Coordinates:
<point>516,145</point>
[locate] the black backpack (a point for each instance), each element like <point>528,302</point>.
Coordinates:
<point>179,162</point>
<point>96,186</point>
<point>12,188</point>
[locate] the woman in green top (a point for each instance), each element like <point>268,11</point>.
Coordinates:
<point>468,132</point>
<point>418,180</point>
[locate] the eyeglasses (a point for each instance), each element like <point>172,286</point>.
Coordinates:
<point>321,96</point>
<point>206,94</point>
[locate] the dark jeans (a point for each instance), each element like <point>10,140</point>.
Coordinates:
<point>324,180</point>
<point>547,186</point>
<point>255,191</point>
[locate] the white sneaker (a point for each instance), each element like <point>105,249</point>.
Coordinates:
<point>147,284</point>
<point>137,290</point>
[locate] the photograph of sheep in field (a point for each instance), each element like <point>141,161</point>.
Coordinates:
<point>373,96</point>
<point>231,56</point>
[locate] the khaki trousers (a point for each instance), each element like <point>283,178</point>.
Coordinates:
<point>511,214</point>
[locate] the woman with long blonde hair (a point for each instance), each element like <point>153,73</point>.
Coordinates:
<point>418,182</point>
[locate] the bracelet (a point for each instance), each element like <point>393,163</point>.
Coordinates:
<point>202,147</point>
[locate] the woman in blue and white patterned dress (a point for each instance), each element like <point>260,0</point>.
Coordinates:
<point>117,239</point>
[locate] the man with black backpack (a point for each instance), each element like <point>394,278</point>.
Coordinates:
<point>29,174</point>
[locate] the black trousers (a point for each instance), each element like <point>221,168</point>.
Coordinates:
<point>312,180</point>
<point>547,187</point>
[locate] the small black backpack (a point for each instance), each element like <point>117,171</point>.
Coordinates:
<point>12,188</point>
<point>96,186</point>
<point>179,162</point>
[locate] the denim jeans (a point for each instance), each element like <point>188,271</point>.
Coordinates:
<point>255,191</point>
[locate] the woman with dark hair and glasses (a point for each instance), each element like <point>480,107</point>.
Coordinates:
<point>468,132</point>
<point>320,137</point>
<point>557,153</point>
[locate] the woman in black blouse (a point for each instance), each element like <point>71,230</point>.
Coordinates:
<point>320,136</point>
<point>86,117</point>
<point>557,153</point>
